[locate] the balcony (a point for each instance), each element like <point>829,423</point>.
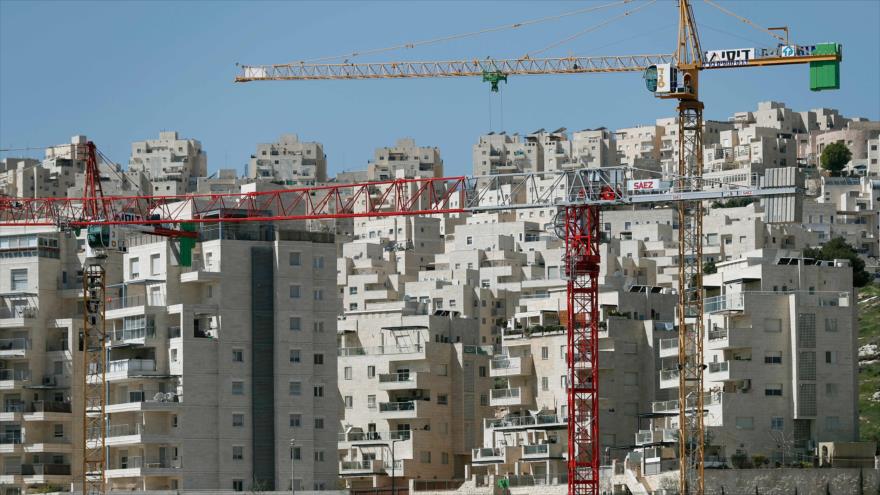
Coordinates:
<point>127,336</point>
<point>398,410</point>
<point>372,437</point>
<point>38,470</point>
<point>542,451</point>
<point>14,348</point>
<point>668,347</point>
<point>130,368</point>
<point>159,402</point>
<point>17,316</point>
<point>488,455</point>
<point>506,397</point>
<point>14,379</point>
<point>726,303</point>
<point>530,422</point>
<point>510,366</point>
<point>671,406</point>
<point>11,442</point>
<point>200,272</point>
<point>130,434</point>
<point>666,435</point>
<point>400,381</point>
<point>12,411</point>
<point>138,302</point>
<point>48,411</point>
<point>409,352</point>
<point>669,378</point>
<point>136,467</point>
<point>360,468</point>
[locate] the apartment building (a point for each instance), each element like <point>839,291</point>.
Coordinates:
<point>845,207</point>
<point>527,437</point>
<point>405,159</point>
<point>171,163</point>
<point>501,153</point>
<point>289,161</point>
<point>594,148</point>
<point>780,347</point>
<point>50,177</point>
<point>40,432</point>
<point>639,146</point>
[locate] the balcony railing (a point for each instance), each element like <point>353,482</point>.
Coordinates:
<point>709,398</point>
<point>11,438</point>
<point>173,332</point>
<point>379,436</point>
<point>726,302</point>
<point>486,452</point>
<point>118,431</point>
<point>718,334</point>
<point>504,393</point>
<point>517,421</point>
<point>397,406</point>
<point>540,449</point>
<point>14,407</point>
<point>41,406</point>
<point>666,375</point>
<point>16,375</point>
<point>719,367</point>
<point>137,462</point>
<point>45,469</point>
<point>129,365</point>
<point>379,350</point>
<point>20,344</point>
<point>134,333</point>
<point>397,377</point>
<point>134,301</point>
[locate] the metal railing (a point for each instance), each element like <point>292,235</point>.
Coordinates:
<point>668,375</point>
<point>133,301</point>
<point>709,398</point>
<point>45,469</point>
<point>725,302</point>
<point>383,436</point>
<point>486,452</point>
<point>719,367</point>
<point>173,332</point>
<point>129,365</point>
<point>137,462</point>
<point>397,406</point>
<point>14,407</point>
<point>134,333</point>
<point>42,406</point>
<point>11,438</point>
<point>718,334</point>
<point>666,344</point>
<point>118,431</point>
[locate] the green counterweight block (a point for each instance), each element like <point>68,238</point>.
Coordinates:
<point>825,75</point>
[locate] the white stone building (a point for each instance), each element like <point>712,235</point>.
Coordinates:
<point>289,161</point>
<point>172,164</point>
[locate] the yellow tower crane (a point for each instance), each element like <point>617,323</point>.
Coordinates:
<point>670,76</point>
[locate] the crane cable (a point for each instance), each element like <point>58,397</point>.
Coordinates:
<point>590,29</point>
<point>470,34</point>
<point>747,21</point>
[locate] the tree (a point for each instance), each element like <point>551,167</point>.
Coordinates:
<point>834,158</point>
<point>733,203</point>
<point>709,268</point>
<point>838,248</point>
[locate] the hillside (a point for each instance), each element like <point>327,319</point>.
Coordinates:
<point>869,362</point>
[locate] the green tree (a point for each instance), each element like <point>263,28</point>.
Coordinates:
<point>709,268</point>
<point>838,248</point>
<point>834,158</point>
<point>733,203</point>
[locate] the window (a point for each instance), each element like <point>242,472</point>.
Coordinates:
<point>237,356</point>
<point>347,372</point>
<point>318,294</point>
<point>830,324</point>
<point>483,373</point>
<point>134,268</point>
<point>294,291</point>
<point>296,454</point>
<point>237,453</point>
<point>831,357</point>
<point>773,357</point>
<point>155,264</point>
<point>318,391</point>
<point>469,240</point>
<point>444,457</point>
<point>238,485</point>
<point>295,259</point>
<point>319,456</point>
<point>371,402</point>
<point>295,420</point>
<point>294,388</point>
<point>295,323</point>
<point>831,389</point>
<point>745,423</point>
<point>237,387</point>
<point>59,431</point>
<point>545,353</point>
<point>319,423</point>
<point>425,457</point>
<point>773,390</point>
<point>545,383</point>
<point>371,371</point>
<point>238,420</point>
<point>352,290</point>
<point>19,279</point>
<point>442,399</point>
<point>484,400</point>
<point>318,262</point>
<point>318,359</point>
<point>832,423</point>
<point>349,402</point>
<point>777,423</point>
<point>294,355</point>
<point>318,326</point>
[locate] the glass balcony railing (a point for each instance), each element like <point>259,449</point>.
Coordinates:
<point>20,344</point>
<point>397,377</point>
<point>397,406</point>
<point>15,375</point>
<point>541,449</point>
<point>504,393</point>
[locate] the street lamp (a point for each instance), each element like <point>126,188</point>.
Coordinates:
<point>292,486</point>
<point>394,460</point>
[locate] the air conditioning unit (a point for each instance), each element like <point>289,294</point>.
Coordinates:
<point>49,381</point>
<point>746,385</point>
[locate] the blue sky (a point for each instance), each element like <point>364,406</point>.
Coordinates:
<point>123,71</point>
